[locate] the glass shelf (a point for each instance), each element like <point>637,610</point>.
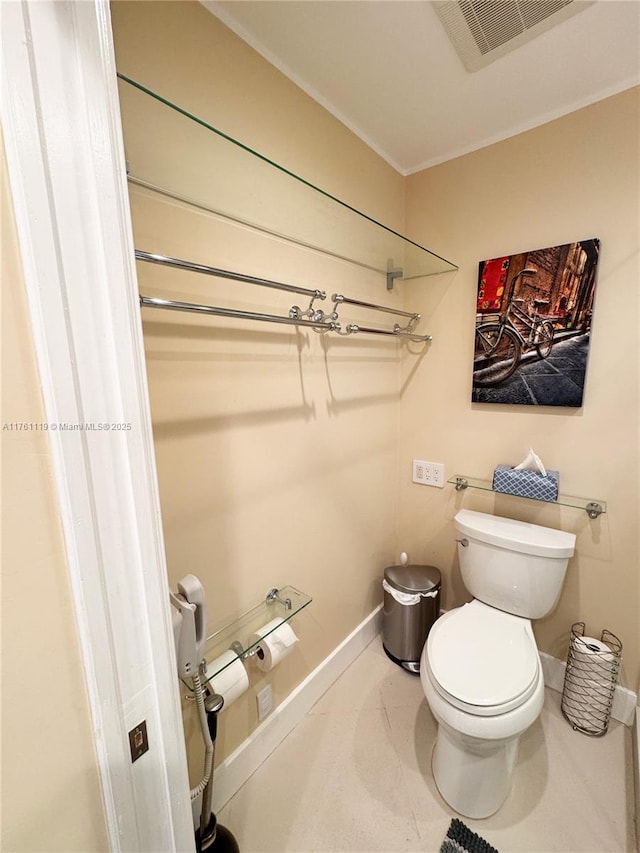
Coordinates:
<point>592,507</point>
<point>239,633</point>
<point>229,179</point>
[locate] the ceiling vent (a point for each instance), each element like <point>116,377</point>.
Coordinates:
<point>484,30</point>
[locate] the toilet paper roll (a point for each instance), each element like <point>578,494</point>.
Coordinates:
<point>593,656</point>
<point>276,646</point>
<point>232,681</point>
<point>587,706</point>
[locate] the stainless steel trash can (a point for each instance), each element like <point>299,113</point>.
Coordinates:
<point>411,606</point>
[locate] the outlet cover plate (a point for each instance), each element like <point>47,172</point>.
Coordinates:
<point>428,473</point>
<point>264,698</point>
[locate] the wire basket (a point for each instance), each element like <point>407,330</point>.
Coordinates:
<point>590,680</point>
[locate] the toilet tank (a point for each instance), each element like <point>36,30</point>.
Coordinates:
<point>514,566</point>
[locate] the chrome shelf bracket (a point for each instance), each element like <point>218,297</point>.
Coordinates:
<point>594,509</point>
<point>274,595</point>
<point>392,275</point>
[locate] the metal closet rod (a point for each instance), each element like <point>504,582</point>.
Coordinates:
<point>352,328</point>
<point>172,305</point>
<point>323,322</point>
<point>177,263</point>
<point>345,300</point>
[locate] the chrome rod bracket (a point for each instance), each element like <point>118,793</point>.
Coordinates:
<point>315,315</point>
<point>274,595</point>
<point>409,328</point>
<point>392,275</point>
<point>461,484</point>
<point>238,648</point>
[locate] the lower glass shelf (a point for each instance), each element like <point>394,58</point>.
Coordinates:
<point>244,633</point>
<point>593,508</point>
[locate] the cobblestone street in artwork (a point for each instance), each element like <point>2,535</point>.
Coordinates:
<point>557,380</point>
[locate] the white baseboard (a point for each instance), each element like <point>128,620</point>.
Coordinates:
<point>624,700</point>
<point>245,760</point>
<point>636,770</point>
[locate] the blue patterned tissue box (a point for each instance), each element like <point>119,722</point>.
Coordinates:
<point>526,484</point>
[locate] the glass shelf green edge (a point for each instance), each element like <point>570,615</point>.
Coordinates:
<point>244,627</point>
<point>461,482</point>
<point>229,179</point>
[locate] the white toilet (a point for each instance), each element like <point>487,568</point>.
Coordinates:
<point>480,669</point>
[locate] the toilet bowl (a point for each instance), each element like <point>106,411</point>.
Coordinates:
<point>480,667</point>
<point>493,691</point>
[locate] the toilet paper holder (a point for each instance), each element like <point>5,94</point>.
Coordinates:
<point>290,601</point>
<point>239,649</point>
<point>272,596</point>
<point>590,681</point>
<point>236,633</point>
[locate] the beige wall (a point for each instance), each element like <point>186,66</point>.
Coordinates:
<point>51,798</point>
<point>285,457</point>
<point>573,178</point>
<point>276,449</point>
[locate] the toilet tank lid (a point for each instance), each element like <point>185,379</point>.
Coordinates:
<point>516,535</point>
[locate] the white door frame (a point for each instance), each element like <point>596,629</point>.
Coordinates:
<point>61,125</point>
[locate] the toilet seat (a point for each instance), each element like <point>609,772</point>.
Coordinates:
<point>482,660</point>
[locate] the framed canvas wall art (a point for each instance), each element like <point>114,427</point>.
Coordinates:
<point>533,325</point>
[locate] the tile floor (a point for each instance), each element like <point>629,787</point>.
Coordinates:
<point>354,776</point>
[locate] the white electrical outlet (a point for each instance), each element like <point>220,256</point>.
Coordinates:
<point>265,702</point>
<point>428,473</point>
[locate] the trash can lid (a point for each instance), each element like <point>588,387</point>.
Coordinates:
<point>413,578</point>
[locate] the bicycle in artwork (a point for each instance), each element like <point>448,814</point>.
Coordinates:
<point>500,345</point>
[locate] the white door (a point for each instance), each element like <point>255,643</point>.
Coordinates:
<point>62,132</point>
